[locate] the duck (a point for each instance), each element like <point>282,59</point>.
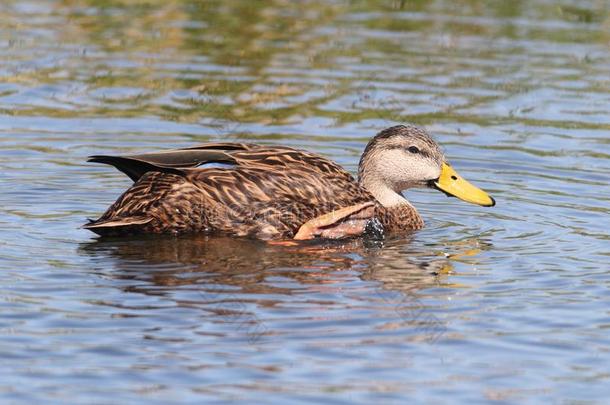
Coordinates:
<point>281,193</point>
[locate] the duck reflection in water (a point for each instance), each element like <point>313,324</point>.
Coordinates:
<point>234,277</point>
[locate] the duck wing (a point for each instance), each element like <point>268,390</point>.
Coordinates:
<point>172,161</point>
<point>267,192</point>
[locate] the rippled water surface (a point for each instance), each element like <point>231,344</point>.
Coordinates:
<point>510,304</point>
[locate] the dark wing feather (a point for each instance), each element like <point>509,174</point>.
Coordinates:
<point>224,146</point>
<point>172,161</point>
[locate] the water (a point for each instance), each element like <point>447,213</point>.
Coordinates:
<point>508,304</point>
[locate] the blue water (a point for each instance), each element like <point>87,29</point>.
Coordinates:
<point>501,305</point>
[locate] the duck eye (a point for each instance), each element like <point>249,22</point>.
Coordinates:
<point>413,149</point>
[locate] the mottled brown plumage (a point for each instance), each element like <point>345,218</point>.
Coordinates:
<point>270,192</point>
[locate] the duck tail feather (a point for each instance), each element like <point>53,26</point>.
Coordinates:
<point>116,225</point>
<point>133,167</point>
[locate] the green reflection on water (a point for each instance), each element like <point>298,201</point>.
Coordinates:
<point>250,61</point>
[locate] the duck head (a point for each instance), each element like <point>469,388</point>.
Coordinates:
<point>405,156</point>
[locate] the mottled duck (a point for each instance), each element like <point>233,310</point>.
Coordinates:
<point>277,192</point>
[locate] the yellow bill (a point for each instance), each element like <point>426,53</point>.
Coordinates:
<point>453,184</point>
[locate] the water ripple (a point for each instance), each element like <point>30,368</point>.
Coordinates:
<point>505,304</point>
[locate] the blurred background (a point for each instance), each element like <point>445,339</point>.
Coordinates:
<point>509,304</point>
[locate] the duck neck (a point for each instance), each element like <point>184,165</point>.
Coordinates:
<point>384,193</point>
<point>396,213</point>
